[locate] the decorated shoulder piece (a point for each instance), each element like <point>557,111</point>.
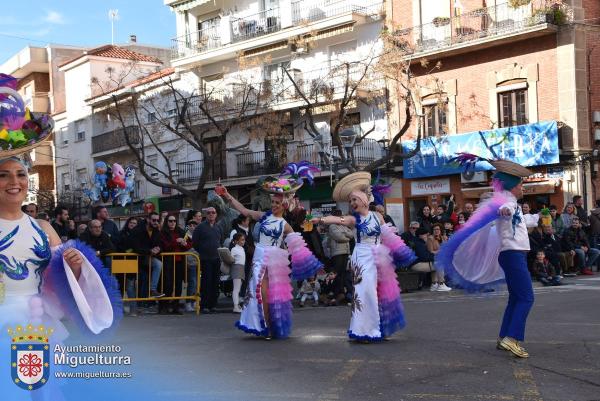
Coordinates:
<point>304,263</point>
<point>403,256</point>
<point>93,301</point>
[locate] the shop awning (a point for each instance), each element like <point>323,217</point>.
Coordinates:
<point>529,188</point>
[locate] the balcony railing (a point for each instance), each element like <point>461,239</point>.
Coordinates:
<point>196,42</point>
<point>262,163</point>
<point>259,24</point>
<point>305,11</point>
<point>320,85</point>
<point>190,172</point>
<point>238,28</point>
<point>495,21</point>
<point>115,139</point>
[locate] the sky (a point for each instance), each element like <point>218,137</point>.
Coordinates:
<point>81,23</point>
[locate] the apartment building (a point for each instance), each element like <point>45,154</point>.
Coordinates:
<point>522,74</point>
<point>81,138</point>
<point>287,48</point>
<point>39,80</point>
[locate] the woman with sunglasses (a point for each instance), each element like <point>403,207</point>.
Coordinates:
<point>173,239</point>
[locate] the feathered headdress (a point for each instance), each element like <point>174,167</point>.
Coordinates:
<point>300,171</point>
<point>296,174</point>
<point>379,189</point>
<point>508,174</point>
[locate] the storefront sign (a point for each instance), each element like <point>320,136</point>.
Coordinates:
<point>556,172</point>
<point>529,145</point>
<point>430,187</point>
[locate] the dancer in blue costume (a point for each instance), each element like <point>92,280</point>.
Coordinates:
<point>41,279</point>
<point>377,310</point>
<point>267,307</point>
<point>492,248</point>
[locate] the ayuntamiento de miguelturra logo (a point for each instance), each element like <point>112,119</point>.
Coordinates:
<point>30,356</point>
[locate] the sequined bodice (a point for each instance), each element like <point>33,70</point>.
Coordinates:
<point>271,230</point>
<point>24,248</point>
<point>368,229</point>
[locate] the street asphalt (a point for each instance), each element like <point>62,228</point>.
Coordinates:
<point>447,352</point>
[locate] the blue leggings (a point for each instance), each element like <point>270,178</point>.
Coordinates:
<point>520,293</point>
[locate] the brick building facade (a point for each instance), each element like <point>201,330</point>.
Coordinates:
<point>501,66</point>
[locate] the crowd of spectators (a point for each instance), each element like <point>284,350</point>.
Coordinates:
<point>562,245</point>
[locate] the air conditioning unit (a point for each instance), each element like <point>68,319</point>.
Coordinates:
<point>478,176</point>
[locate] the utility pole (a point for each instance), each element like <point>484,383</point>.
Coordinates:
<point>113,15</point>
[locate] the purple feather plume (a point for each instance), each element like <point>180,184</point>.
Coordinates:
<point>466,160</point>
<point>301,170</point>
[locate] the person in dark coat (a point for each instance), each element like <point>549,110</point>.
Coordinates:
<point>99,240</point>
<point>145,241</point>
<point>575,241</point>
<point>410,236</point>
<point>425,218</point>
<point>125,235</point>
<point>205,240</point>
<point>108,226</point>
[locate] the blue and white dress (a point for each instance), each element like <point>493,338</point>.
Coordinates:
<point>41,289</point>
<point>271,261</point>
<point>377,310</point>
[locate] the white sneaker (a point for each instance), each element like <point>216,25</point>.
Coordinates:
<point>434,287</point>
<point>189,307</point>
<point>237,309</point>
<point>444,287</point>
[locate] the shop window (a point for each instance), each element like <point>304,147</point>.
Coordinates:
<point>512,108</point>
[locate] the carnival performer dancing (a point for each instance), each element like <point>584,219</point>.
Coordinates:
<point>377,310</point>
<point>41,279</point>
<point>491,248</point>
<point>267,307</point>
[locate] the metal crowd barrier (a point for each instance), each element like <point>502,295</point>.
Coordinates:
<point>126,265</point>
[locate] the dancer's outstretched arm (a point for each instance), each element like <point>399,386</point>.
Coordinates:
<point>349,221</point>
<point>254,214</point>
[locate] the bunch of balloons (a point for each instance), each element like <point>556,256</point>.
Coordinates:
<point>112,184</point>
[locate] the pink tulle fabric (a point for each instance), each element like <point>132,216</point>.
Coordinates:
<point>278,271</point>
<point>304,263</point>
<point>387,284</point>
<point>402,255</point>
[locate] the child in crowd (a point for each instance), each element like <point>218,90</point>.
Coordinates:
<point>448,228</point>
<point>543,270</point>
<point>328,289</point>
<point>310,288</point>
<point>462,219</point>
<point>237,269</point>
